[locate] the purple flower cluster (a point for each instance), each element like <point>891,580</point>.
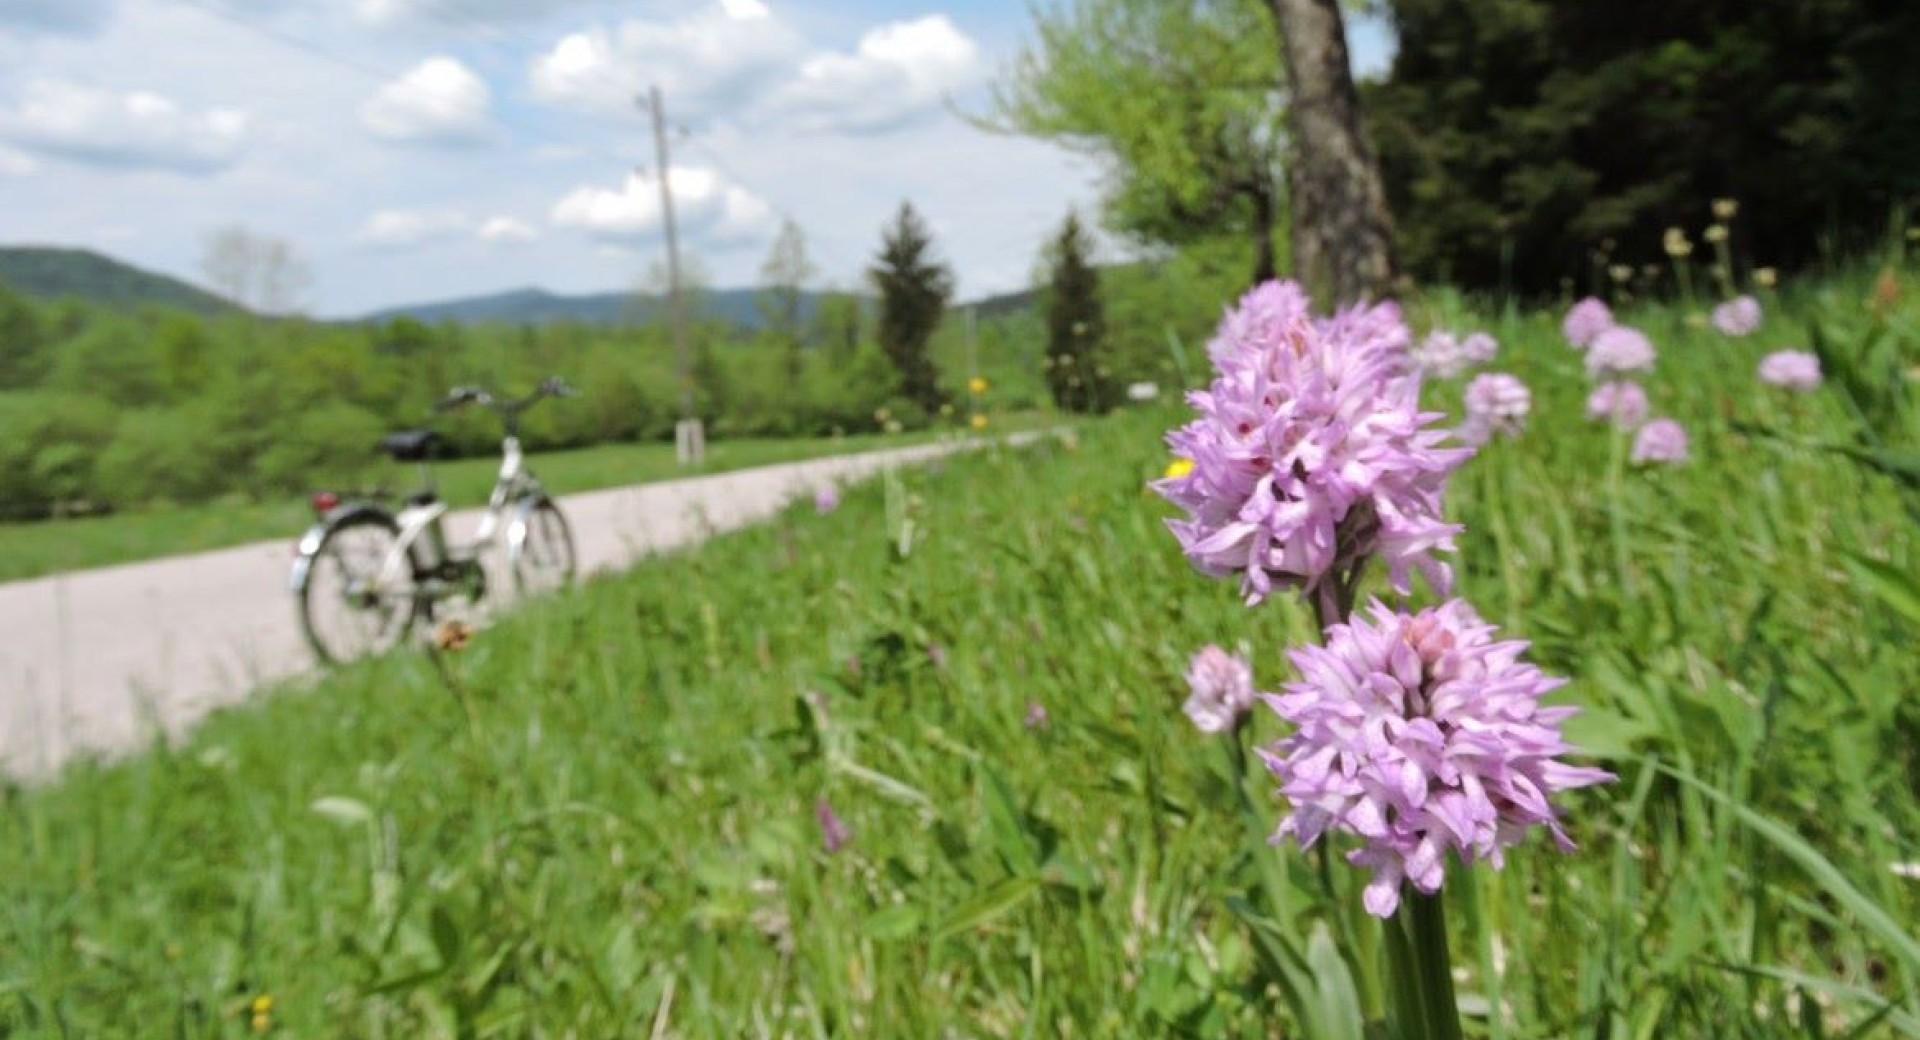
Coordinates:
<point>834,832</point>
<point>1739,316</point>
<point>1622,402</point>
<point>1618,351</point>
<point>1222,689</point>
<point>1614,354</point>
<point>1440,356</point>
<point>1792,369</point>
<point>1585,321</point>
<point>1497,403</point>
<point>1310,453</point>
<point>1661,440</point>
<point>1420,734</point>
<point>1444,355</point>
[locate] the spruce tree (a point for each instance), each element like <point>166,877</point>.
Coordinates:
<point>1077,371</point>
<point>914,288</point>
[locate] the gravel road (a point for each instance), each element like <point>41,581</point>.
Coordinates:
<point>99,661</point>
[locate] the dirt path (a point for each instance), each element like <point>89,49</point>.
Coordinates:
<point>98,660</point>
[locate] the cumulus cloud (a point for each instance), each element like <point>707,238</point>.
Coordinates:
<point>439,102</point>
<point>705,205</point>
<point>899,72</point>
<point>59,16</point>
<point>714,60</point>
<point>507,231</point>
<point>132,129</point>
<point>408,228</point>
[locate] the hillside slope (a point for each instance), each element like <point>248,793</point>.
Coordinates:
<point>53,273</point>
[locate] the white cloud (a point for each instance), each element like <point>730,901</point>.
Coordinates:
<point>440,101</point>
<point>507,231</point>
<point>714,60</point>
<point>60,16</point>
<point>382,12</point>
<point>406,228</point>
<point>130,129</point>
<point>899,72</point>
<point>705,206</point>
<point>16,164</point>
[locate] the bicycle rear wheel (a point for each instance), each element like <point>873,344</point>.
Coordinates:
<point>348,607</point>
<point>540,548</point>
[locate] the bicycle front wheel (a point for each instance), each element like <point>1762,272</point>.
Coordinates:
<point>541,548</point>
<point>351,602</point>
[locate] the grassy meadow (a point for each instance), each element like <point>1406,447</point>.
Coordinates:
<point>600,818</point>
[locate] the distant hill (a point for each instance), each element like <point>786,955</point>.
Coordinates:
<point>538,306</point>
<point>739,307</point>
<point>51,273</point>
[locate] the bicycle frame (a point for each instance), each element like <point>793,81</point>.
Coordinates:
<point>422,523</point>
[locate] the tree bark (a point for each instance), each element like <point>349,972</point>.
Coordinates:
<point>1342,232</point>
<point>1263,264</point>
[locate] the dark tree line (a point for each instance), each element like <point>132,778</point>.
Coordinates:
<point>1520,136</point>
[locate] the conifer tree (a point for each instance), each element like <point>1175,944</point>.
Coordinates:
<point>914,289</point>
<point>1077,367</point>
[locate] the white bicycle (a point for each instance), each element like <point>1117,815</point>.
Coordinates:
<point>365,575</point>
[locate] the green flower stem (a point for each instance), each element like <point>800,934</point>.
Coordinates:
<point>1425,920</point>
<point>1616,506</point>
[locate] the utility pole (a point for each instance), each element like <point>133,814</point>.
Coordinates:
<point>689,439</point>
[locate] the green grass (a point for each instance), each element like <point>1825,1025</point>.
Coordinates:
<point>53,546</point>
<point>598,820</point>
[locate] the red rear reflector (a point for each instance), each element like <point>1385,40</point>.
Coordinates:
<point>324,501</point>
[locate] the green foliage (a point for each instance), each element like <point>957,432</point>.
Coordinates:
<point>914,288</point>
<point>1078,372</point>
<point>48,444</point>
<point>1527,142</point>
<point>1180,101</point>
<point>219,406</point>
<point>22,343</point>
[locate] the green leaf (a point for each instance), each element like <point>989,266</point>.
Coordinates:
<point>987,905</point>
<point>886,785</point>
<point>1870,914</point>
<point>1898,590</point>
<point>901,921</point>
<point>1336,1002</point>
<point>343,811</point>
<point>446,935</point>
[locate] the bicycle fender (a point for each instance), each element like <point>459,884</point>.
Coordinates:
<point>309,543</point>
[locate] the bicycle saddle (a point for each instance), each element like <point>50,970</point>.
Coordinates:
<point>409,445</point>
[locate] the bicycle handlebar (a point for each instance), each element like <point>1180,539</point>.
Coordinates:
<point>461,396</point>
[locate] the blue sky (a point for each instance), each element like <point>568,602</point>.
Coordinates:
<point>418,149</point>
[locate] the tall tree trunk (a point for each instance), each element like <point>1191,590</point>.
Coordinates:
<point>1263,266</point>
<point>1342,232</point>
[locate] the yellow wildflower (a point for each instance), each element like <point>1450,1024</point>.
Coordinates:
<point>1676,244</point>
<point>1765,277</point>
<point>1725,209</point>
<point>977,385</point>
<point>1716,233</point>
<point>979,421</point>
